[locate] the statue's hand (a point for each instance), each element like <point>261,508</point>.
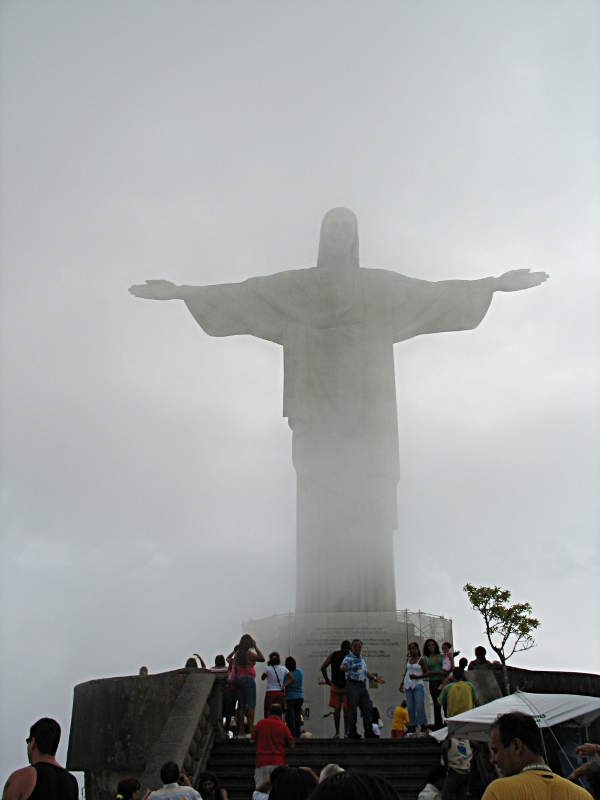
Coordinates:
<point>517,279</point>
<point>156,290</point>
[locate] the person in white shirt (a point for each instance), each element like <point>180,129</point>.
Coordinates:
<point>277,678</point>
<point>170,774</point>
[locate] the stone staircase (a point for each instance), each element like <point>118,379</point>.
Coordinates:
<point>404,762</point>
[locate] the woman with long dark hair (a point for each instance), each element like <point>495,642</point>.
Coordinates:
<point>412,685</point>
<point>434,659</point>
<point>209,788</point>
<point>245,656</point>
<point>294,697</point>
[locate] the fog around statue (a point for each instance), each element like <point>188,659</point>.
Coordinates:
<point>337,324</point>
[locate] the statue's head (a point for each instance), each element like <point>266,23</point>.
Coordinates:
<point>338,246</point>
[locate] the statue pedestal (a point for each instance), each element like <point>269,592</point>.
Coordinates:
<point>310,637</point>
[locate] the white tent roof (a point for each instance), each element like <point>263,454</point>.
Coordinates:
<point>547,709</point>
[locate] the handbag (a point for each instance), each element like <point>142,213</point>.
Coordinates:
<point>283,706</point>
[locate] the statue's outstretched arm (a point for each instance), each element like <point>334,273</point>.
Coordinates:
<point>227,309</point>
<point>159,290</point>
<point>452,305</point>
<point>517,279</point>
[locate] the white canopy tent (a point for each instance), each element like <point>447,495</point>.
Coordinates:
<point>548,710</point>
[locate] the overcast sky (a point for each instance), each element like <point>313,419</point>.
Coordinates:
<point>147,493</point>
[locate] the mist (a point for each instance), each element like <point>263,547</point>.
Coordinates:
<point>148,493</point>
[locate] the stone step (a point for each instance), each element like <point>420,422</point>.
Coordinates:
<point>404,762</point>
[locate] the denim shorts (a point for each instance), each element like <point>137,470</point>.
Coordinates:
<point>246,691</point>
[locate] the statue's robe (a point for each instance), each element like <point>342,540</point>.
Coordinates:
<point>337,331</point>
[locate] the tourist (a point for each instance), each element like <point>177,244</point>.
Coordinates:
<point>435,665</point>
<point>412,685</point>
<point>131,789</point>
<point>176,785</point>
<point>229,694</point>
<point>357,694</point>
<point>376,722</point>
<point>220,667</point>
<point>588,749</point>
<point>292,783</point>
<point>209,787</point>
<point>588,770</point>
<point>45,778</point>
<point>143,671</point>
<point>448,658</point>
<point>245,656</point>
<point>433,788</point>
<point>329,770</point>
<point>277,678</point>
<point>459,695</point>
<point>517,751</point>
<point>354,786</point>
<point>400,721</point>
<point>457,757</point>
<point>480,661</point>
<point>272,736</point>
<point>294,697</point>
<point>337,685</point>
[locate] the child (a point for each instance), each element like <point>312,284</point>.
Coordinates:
<point>400,721</point>
<point>447,661</point>
<point>376,721</point>
<point>448,657</point>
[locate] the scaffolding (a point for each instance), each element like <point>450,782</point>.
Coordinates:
<point>421,626</point>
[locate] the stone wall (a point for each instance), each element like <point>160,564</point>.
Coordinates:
<point>130,726</point>
<point>490,683</point>
<point>546,682</point>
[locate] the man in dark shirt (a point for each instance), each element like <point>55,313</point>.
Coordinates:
<point>337,685</point>
<point>45,779</point>
<point>480,661</point>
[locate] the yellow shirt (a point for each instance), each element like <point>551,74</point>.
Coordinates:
<point>457,697</point>
<point>400,719</point>
<point>535,785</point>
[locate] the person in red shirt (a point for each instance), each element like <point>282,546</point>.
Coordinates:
<point>272,736</point>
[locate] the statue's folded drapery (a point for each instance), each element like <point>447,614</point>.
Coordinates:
<point>337,332</point>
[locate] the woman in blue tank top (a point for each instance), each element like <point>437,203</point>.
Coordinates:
<point>294,697</point>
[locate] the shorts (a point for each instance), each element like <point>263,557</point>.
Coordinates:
<point>337,698</point>
<point>263,774</point>
<point>245,688</point>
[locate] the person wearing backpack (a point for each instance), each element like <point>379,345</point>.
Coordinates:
<point>458,696</point>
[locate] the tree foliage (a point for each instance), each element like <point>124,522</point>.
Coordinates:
<point>509,628</point>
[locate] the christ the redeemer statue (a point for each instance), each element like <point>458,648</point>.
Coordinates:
<point>337,324</point>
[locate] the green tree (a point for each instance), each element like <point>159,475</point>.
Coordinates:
<point>509,628</point>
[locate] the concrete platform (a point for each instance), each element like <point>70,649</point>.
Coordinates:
<point>310,637</point>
